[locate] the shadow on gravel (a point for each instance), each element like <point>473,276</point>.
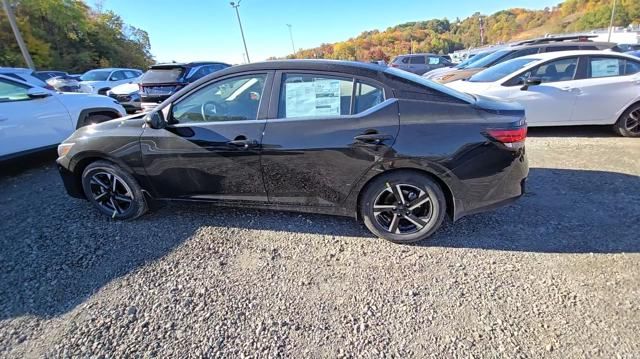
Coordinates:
<point>563,211</point>
<point>572,131</point>
<point>55,252</point>
<point>17,166</point>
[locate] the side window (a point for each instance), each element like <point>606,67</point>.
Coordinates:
<point>117,76</point>
<point>10,91</point>
<point>131,74</point>
<point>201,72</point>
<point>234,99</point>
<point>605,67</point>
<point>519,53</point>
<point>631,67</point>
<point>434,60</point>
<point>307,95</point>
<point>563,48</point>
<point>417,60</point>
<point>405,60</point>
<point>367,96</point>
<point>554,71</point>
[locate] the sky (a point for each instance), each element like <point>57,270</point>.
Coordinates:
<point>192,30</point>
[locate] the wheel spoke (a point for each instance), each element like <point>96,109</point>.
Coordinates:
<point>379,208</point>
<point>397,192</point>
<point>114,184</point>
<point>415,220</point>
<point>395,221</point>
<point>100,196</point>
<point>119,197</point>
<point>95,180</point>
<point>115,205</point>
<point>419,201</point>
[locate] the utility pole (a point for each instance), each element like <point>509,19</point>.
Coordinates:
<point>482,30</point>
<point>613,14</point>
<point>236,6</point>
<point>16,33</point>
<point>291,36</point>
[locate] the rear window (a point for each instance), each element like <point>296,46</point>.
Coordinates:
<point>159,76</point>
<point>419,80</point>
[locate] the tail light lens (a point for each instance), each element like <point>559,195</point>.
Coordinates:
<point>510,137</point>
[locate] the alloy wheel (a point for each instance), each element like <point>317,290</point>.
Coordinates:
<point>402,208</point>
<point>111,192</point>
<point>632,123</point>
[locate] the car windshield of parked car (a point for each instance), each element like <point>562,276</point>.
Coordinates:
<point>470,61</point>
<point>489,59</point>
<point>499,71</point>
<point>430,84</point>
<point>96,75</point>
<point>160,76</point>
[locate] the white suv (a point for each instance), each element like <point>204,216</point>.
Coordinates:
<point>102,80</point>
<point>33,118</point>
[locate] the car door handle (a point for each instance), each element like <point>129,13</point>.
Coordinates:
<point>571,89</point>
<point>372,138</point>
<point>244,143</point>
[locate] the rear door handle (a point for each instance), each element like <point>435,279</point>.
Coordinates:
<point>243,143</point>
<point>373,138</point>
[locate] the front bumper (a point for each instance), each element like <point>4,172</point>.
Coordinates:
<point>71,182</point>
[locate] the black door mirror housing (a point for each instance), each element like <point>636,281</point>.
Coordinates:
<point>530,81</point>
<point>155,120</point>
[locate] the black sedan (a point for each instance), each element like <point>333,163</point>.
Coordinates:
<point>395,150</point>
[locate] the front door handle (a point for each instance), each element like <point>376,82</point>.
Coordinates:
<point>243,143</point>
<point>373,138</point>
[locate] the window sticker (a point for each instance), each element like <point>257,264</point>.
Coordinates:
<point>318,98</point>
<point>605,68</point>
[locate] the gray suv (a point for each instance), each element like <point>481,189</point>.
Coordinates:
<point>420,63</point>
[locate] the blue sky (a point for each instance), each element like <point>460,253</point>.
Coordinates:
<point>189,30</point>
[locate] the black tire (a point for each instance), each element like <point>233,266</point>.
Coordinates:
<point>415,187</point>
<point>628,125</point>
<point>124,201</point>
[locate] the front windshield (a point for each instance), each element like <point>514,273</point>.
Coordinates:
<point>96,75</point>
<point>470,61</point>
<point>490,59</point>
<point>499,71</point>
<point>430,84</point>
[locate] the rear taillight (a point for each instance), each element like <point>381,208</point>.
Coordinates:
<point>508,135</point>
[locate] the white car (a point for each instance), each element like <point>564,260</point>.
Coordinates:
<point>567,88</point>
<point>128,95</point>
<point>102,80</point>
<point>33,118</point>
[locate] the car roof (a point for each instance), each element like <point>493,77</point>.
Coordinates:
<point>187,64</point>
<point>15,70</point>
<point>309,65</point>
<point>419,54</point>
<point>555,54</point>
<point>113,69</point>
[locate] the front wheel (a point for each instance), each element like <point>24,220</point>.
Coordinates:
<point>628,124</point>
<point>113,191</point>
<point>403,207</point>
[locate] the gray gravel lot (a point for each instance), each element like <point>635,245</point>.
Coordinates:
<point>556,274</point>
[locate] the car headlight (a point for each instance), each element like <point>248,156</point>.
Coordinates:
<point>64,148</point>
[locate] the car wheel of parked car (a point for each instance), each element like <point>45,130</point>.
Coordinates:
<point>113,191</point>
<point>628,124</point>
<point>403,206</point>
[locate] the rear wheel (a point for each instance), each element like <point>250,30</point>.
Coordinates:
<point>113,191</point>
<point>628,124</point>
<point>403,207</point>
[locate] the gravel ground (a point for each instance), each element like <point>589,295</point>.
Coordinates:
<point>557,274</point>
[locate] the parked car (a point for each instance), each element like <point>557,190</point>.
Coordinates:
<point>45,75</point>
<point>464,64</point>
<point>629,47</point>
<point>634,53</point>
<point>523,48</point>
<point>397,151</point>
<point>64,83</point>
<point>163,80</point>
<point>567,88</point>
<point>419,63</point>
<point>24,74</point>
<point>102,80</point>
<point>127,95</point>
<point>33,118</point>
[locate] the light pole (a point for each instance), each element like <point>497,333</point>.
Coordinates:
<point>291,36</point>
<point>613,13</point>
<point>236,6</point>
<point>16,33</point>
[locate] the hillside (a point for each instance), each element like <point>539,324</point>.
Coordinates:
<point>69,35</point>
<point>444,36</point>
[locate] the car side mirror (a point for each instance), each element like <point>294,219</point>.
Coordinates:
<point>155,120</point>
<point>36,93</point>
<point>530,81</point>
